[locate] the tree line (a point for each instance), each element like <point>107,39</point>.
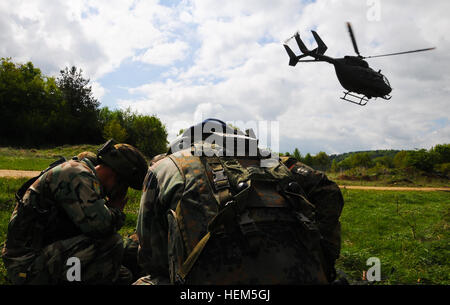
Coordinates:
<point>38,110</point>
<point>436,159</point>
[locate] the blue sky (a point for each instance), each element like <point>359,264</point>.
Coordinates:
<point>187,60</point>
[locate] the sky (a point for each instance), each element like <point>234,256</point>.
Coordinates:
<point>185,61</point>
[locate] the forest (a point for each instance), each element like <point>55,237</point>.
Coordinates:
<point>41,111</point>
<point>435,160</point>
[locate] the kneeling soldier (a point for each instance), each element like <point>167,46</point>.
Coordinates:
<point>64,215</point>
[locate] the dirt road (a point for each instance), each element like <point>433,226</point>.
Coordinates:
<point>29,174</point>
<point>17,174</point>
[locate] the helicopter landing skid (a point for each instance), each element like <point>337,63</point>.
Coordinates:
<point>362,99</point>
<point>386,97</point>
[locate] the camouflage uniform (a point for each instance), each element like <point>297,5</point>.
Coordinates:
<point>280,254</point>
<point>328,201</point>
<point>62,215</point>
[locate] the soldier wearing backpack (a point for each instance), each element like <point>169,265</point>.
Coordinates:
<point>211,213</point>
<point>63,217</point>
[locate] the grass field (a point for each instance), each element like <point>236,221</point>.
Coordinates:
<point>399,179</point>
<point>38,159</point>
<point>407,231</point>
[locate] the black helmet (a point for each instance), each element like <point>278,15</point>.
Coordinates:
<point>127,161</point>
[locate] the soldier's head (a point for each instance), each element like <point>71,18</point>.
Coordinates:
<point>119,165</point>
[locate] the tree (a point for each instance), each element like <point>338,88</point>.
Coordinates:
<point>82,108</point>
<point>421,159</point>
<point>361,160</point>
<point>297,155</point>
<point>386,161</point>
<point>308,160</point>
<point>400,159</point>
<point>150,135</point>
<point>147,133</point>
<point>321,161</point>
<point>27,99</point>
<point>334,166</point>
<point>114,130</point>
<point>345,164</point>
<point>442,152</point>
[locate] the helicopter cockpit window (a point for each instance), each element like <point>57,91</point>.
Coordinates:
<point>386,81</point>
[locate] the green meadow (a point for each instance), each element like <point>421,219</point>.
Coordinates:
<point>407,231</point>
<point>38,159</point>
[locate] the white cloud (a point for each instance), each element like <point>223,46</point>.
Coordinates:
<point>225,59</point>
<point>97,90</point>
<point>94,35</point>
<point>164,54</point>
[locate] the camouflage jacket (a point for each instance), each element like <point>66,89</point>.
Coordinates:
<point>165,184</point>
<point>328,201</point>
<point>66,201</point>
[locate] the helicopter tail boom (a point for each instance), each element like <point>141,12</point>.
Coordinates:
<point>317,53</point>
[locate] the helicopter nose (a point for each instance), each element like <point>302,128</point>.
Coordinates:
<point>388,90</point>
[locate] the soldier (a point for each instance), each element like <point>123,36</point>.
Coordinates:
<point>217,213</point>
<point>64,218</point>
<point>87,154</point>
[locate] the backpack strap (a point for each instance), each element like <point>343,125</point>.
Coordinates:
<point>21,192</point>
<point>219,180</point>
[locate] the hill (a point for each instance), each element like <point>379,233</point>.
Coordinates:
<point>372,153</point>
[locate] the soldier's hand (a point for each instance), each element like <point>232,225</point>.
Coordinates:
<point>118,203</point>
<point>118,198</point>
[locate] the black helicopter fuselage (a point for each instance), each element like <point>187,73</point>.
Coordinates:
<point>353,72</point>
<point>355,75</point>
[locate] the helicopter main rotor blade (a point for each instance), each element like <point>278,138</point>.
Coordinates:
<point>400,53</point>
<point>352,36</point>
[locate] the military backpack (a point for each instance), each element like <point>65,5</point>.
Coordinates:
<point>234,196</point>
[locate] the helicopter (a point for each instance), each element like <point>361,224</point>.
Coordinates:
<point>353,72</point>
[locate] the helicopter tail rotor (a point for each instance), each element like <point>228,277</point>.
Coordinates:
<point>293,59</point>
<point>322,46</point>
<point>300,43</point>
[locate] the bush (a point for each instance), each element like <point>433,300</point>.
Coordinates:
<point>443,168</point>
<point>149,135</point>
<point>421,159</point>
<point>114,130</point>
